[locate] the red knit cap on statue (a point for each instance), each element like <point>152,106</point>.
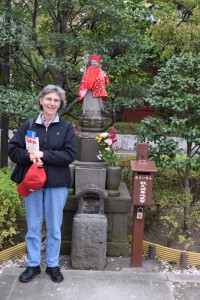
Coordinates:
<point>95,57</point>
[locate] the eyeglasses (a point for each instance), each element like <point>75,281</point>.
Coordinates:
<point>50,100</point>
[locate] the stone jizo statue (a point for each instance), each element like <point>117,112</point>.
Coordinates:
<point>92,88</point>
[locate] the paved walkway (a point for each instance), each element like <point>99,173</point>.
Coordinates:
<point>117,282</point>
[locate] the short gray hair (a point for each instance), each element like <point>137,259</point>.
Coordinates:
<point>52,88</point>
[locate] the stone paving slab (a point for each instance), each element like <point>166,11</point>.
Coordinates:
<point>185,286</point>
<point>186,291</point>
<point>183,277</point>
<point>118,281</point>
<point>90,285</point>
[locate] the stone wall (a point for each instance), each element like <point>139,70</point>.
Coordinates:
<point>127,143</point>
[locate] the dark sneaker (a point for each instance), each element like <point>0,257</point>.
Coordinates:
<point>55,274</point>
<point>29,274</point>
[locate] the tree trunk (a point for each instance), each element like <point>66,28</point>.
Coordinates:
<point>5,79</point>
<point>187,187</point>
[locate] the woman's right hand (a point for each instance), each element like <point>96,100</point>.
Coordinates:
<point>39,163</point>
<point>35,157</point>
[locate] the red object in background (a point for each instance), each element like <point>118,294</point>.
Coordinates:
<point>138,113</point>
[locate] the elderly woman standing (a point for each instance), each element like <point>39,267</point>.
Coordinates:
<point>57,151</point>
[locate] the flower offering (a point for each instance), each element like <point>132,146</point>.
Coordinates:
<point>107,141</point>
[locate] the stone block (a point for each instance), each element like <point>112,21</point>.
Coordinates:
<point>89,242</point>
<point>110,226</point>
<point>117,227</point>
<point>87,149</point>
<point>121,204</point>
<point>85,176</point>
<point>120,233</point>
<point>118,249</point>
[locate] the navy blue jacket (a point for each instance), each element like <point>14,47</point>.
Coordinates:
<point>58,145</point>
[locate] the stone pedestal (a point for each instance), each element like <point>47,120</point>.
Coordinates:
<point>87,146</point>
<point>116,210</point>
<point>89,233</point>
<point>89,242</point>
<point>95,223</point>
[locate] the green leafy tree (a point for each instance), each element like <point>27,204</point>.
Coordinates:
<point>47,41</point>
<point>176,27</point>
<point>175,94</point>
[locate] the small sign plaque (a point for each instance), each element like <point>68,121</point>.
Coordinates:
<point>142,189</point>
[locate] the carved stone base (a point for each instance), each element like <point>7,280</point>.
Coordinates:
<point>92,124</point>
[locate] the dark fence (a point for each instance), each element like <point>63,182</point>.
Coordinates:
<point>138,113</point>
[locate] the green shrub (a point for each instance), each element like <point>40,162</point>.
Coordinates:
<point>10,207</point>
<point>124,163</point>
<point>167,209</point>
<point>165,215</point>
<point>127,128</point>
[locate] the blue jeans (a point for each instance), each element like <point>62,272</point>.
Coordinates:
<point>45,204</point>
